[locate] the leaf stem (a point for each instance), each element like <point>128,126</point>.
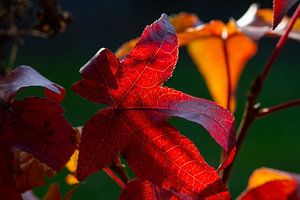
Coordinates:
<point>111,174</point>
<point>120,169</point>
<point>266,111</point>
<point>13,53</point>
<point>228,75</point>
<point>252,109</point>
<point>280,44</point>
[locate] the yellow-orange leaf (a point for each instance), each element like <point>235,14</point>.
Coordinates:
<point>264,175</point>
<point>72,163</point>
<point>71,179</point>
<point>126,48</point>
<point>184,21</point>
<point>270,184</point>
<point>220,53</point>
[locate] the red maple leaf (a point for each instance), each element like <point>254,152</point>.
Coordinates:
<point>135,123</point>
<point>280,9</point>
<point>35,125</point>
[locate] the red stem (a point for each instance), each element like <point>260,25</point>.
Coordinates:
<point>266,111</point>
<point>228,75</point>
<point>110,173</point>
<point>251,110</point>
<point>280,44</point>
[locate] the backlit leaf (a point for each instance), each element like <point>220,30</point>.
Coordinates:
<point>181,22</point>
<point>135,125</point>
<point>268,184</point>
<point>221,53</point>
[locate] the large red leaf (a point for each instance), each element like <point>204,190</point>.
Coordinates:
<point>280,8</point>
<point>219,50</point>
<point>135,123</point>
<point>35,125</point>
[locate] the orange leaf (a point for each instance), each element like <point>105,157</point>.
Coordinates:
<point>267,184</point>
<point>126,47</point>
<point>72,163</point>
<point>72,167</point>
<point>71,179</point>
<point>183,21</point>
<point>220,53</point>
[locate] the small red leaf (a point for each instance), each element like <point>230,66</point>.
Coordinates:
<point>36,125</point>
<point>22,77</point>
<point>280,9</point>
<point>135,123</point>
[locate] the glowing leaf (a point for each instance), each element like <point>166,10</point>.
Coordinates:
<point>271,184</point>
<point>221,53</point>
<point>135,125</point>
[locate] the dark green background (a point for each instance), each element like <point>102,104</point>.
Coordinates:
<point>272,141</point>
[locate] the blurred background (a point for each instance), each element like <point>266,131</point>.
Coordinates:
<point>272,141</point>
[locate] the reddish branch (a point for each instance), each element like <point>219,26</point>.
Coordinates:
<point>266,111</point>
<point>228,75</point>
<point>120,169</point>
<point>252,110</point>
<point>110,173</point>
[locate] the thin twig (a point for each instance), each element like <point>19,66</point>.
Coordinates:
<point>23,32</point>
<point>281,42</point>
<point>228,105</point>
<point>266,111</point>
<point>13,53</point>
<point>120,169</point>
<point>111,174</point>
<point>251,109</point>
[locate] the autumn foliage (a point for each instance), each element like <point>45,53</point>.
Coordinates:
<point>133,131</point>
